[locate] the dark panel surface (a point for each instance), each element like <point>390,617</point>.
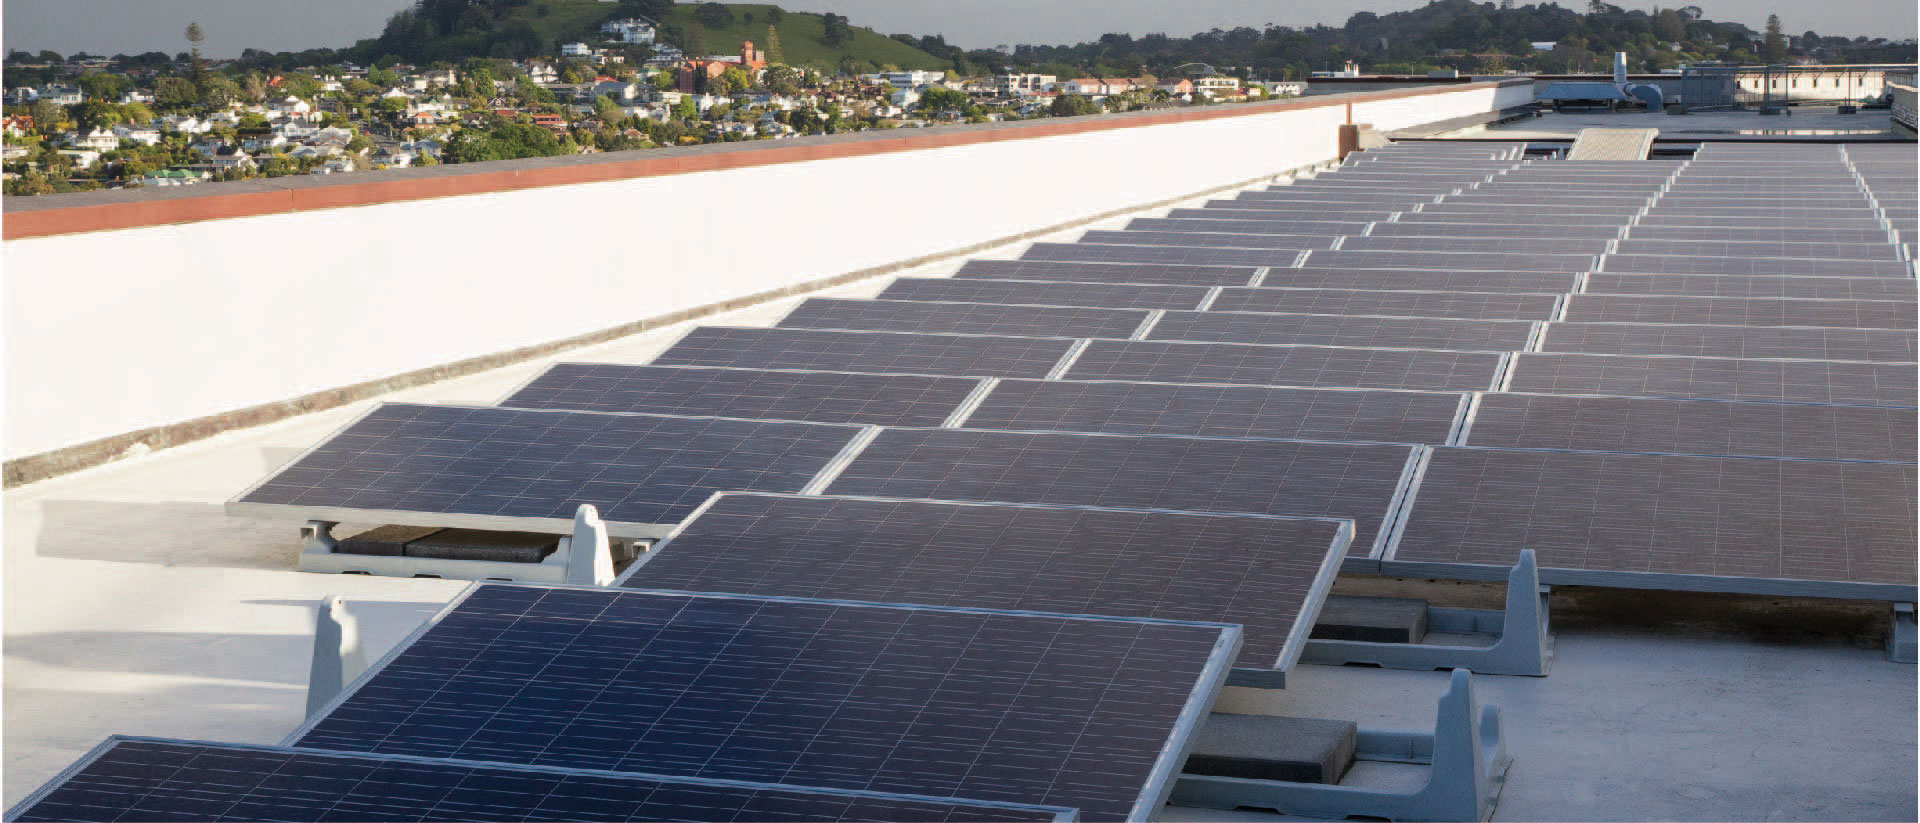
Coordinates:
<point>1457,261</point>
<point>1342,330</point>
<point>896,353</point>
<point>1067,711</point>
<point>1255,571</point>
<point>1737,311</point>
<point>1217,411</point>
<point>1710,516</point>
<point>1106,273</point>
<point>1882,345</point>
<point>963,318</point>
<point>1043,293</point>
<point>1311,366</point>
<point>1169,473</point>
<point>1462,305</point>
<point>185,780</point>
<point>1726,285</point>
<point>1512,282</point>
<point>460,460</point>
<point>813,397</point>
<point>1673,264</point>
<point>1213,241</point>
<point>1803,381</point>
<point>1169,255</point>
<point>1532,421</point>
<point>1185,222</point>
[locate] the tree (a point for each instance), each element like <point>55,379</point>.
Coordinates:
<point>195,36</point>
<point>175,92</point>
<point>939,98</point>
<point>734,81</point>
<point>775,15</point>
<point>1774,48</point>
<point>103,86</point>
<point>837,31</point>
<point>713,15</point>
<point>1670,26</point>
<point>219,91</point>
<point>1072,105</point>
<point>605,109</point>
<point>137,112</point>
<point>774,52</point>
<point>531,93</point>
<point>253,87</point>
<point>685,109</point>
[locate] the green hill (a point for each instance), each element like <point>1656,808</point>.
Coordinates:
<point>802,39</point>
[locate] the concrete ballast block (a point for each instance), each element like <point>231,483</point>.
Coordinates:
<point>1262,747</point>
<point>1372,619</point>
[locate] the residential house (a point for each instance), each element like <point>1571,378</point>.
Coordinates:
<point>542,73</point>
<point>224,119</point>
<point>336,165</point>
<point>396,94</point>
<point>1290,88</point>
<point>13,151</point>
<point>904,97</point>
<point>136,96</point>
<point>294,108</point>
<point>17,125</point>
<point>911,79</point>
<point>266,141</point>
<point>144,135</point>
<point>98,139</point>
<point>330,83</point>
<point>551,122</point>
<point>176,177</point>
<point>394,157</point>
<point>1090,86</point>
<point>22,95</point>
<point>232,157</point>
<point>185,124</point>
<point>1119,85</point>
<point>1181,87</point>
<point>1217,86</point>
<point>630,30</point>
<point>576,50</point>
<point>665,53</point>
<point>620,92</point>
<point>567,92</point>
<point>441,77</point>
<point>62,95</point>
<point>294,131</point>
<point>82,158</point>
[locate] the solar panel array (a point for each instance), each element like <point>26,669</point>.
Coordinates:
<point>988,538</point>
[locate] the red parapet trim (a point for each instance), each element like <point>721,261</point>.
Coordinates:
<point>482,178</point>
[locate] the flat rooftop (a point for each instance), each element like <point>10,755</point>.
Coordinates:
<point>1806,122</point>
<point>135,605</point>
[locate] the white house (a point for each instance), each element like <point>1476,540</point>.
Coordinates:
<point>231,157</point>
<point>82,158</point>
<point>175,177</point>
<point>441,77</point>
<point>904,97</point>
<point>144,135</point>
<point>1217,86</point>
<point>542,73</point>
<point>97,139</point>
<point>223,119</point>
<point>576,50</point>
<point>911,79</point>
<point>185,124</point>
<point>62,95</point>
<point>136,96</point>
<point>630,30</point>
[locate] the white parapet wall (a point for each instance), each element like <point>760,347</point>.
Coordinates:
<point>111,332</point>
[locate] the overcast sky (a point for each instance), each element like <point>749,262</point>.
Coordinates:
<point>134,26</point>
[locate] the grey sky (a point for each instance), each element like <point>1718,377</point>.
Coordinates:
<point>133,26</point>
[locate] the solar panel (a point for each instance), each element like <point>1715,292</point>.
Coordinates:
<point>1218,411</point>
<point>1432,229</point>
<point>1308,366</point>
<point>1463,305</point>
<point>1044,293</point>
<point>1450,260</point>
<point>153,779</point>
<point>1674,264</point>
<point>1163,255</point>
<point>963,318</point>
<point>1218,241</point>
<point>886,352</point>
<point>1184,474</point>
<point>1657,521</point>
<point>1304,211</point>
<point>1873,250</point>
<point>1729,285</point>
<point>1210,221</point>
<point>1267,574</point>
<point>1880,345</point>
<point>1519,282</point>
<point>1711,378</point>
<point>1738,311</point>
<point>1083,272</point>
<point>1063,710</point>
<point>1470,244</point>
<point>519,469</point>
<point>813,397</point>
<point>1534,421</point>
<point>1343,330</point>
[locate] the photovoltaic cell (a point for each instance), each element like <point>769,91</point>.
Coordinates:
<point>1477,245</point>
<point>408,464</point>
<point>146,779</point>
<point>1459,261</point>
<point>813,397</point>
<point>1709,378</point>
<point>1465,229</point>
<point>1512,282</point>
<point>1194,239</point>
<point>1218,411</point>
<point>1343,330</point>
<point>888,352</point>
<point>1266,574</point>
<point>1204,276</point>
<point>1875,250</point>
<point>1043,293</point>
<point>1272,227</point>
<point>963,318</point>
<point>1674,264</point>
<point>1692,523</point>
<point>1356,482</point>
<point>1462,305</point>
<point>1060,710</point>
<point>1308,366</point>
<point>1723,285</point>
<point>1534,421</point>
<point>1167,255</point>
<point>1878,345</point>
<point>1741,311</point>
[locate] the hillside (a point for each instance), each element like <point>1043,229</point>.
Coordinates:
<point>802,38</point>
<point>453,30</point>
